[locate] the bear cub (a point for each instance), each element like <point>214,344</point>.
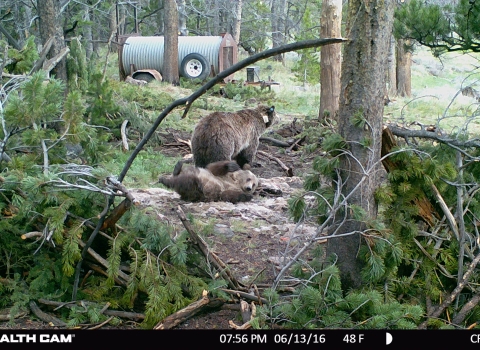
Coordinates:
<point>231,135</point>
<point>220,181</point>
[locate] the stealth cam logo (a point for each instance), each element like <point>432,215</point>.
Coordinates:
<point>36,338</point>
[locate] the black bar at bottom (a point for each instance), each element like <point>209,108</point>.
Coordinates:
<point>249,339</point>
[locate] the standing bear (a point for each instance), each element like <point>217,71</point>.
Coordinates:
<point>231,135</point>
<point>220,181</point>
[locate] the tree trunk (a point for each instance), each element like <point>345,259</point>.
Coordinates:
<point>161,18</point>
<point>216,18</point>
<point>278,25</point>
<point>49,14</point>
<point>87,32</point>
<point>330,60</point>
<point>404,68</point>
<point>237,21</point>
<point>170,54</point>
<point>364,64</point>
<point>392,69</point>
<point>182,17</point>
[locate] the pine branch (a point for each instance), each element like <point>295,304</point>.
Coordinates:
<point>451,297</point>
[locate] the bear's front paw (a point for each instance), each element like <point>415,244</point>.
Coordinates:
<point>245,197</point>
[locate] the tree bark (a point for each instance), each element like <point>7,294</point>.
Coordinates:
<point>237,22</point>
<point>161,18</point>
<point>170,54</point>
<point>369,26</point>
<point>87,33</point>
<point>182,17</point>
<point>49,13</point>
<point>330,60</point>
<point>392,69</point>
<point>404,68</point>
<point>278,26</point>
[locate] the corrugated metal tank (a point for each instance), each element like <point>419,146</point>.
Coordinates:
<point>146,52</point>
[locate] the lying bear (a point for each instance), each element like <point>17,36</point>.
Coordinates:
<point>220,181</point>
<point>231,136</point>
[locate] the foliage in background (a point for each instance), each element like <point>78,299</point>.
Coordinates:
<point>21,61</point>
<point>442,28</point>
<point>307,66</point>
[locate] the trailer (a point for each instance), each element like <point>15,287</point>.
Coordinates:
<point>199,57</point>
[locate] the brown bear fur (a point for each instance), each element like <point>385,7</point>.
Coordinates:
<point>231,135</point>
<point>220,181</point>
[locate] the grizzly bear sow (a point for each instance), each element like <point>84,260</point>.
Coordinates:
<point>220,181</point>
<point>231,135</point>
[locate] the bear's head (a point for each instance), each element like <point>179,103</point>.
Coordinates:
<point>269,115</point>
<point>246,180</point>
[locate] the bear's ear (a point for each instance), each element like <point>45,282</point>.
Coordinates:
<point>268,119</point>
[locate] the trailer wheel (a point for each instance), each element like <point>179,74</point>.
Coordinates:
<point>195,66</point>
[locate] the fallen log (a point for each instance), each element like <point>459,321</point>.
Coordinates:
<point>5,314</point>
<point>46,317</point>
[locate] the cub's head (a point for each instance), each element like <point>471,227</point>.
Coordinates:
<point>268,114</point>
<point>246,180</point>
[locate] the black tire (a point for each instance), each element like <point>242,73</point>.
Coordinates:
<point>195,66</point>
<point>143,76</point>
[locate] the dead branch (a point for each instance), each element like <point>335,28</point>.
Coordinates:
<point>460,317</point>
<point>51,63</point>
<point>123,132</point>
<point>11,40</point>
<point>248,313</point>
<point>451,297</point>
<point>240,294</point>
<point>100,325</point>
<point>101,271</point>
<point>191,310</point>
<point>436,135</point>
<point>117,185</point>
<point>32,234</point>
<point>116,214</point>
<point>244,326</point>
<point>43,55</point>
<point>5,314</point>
<point>275,142</point>
<point>288,170</point>
<point>104,262</point>
<point>185,142</point>
<point>210,256</point>
<point>450,218</point>
<point>122,314</point>
<point>294,146</point>
<point>46,317</point>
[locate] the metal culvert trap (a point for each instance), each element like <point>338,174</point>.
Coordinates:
<point>198,56</point>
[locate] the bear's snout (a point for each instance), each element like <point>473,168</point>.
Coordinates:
<point>248,189</point>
